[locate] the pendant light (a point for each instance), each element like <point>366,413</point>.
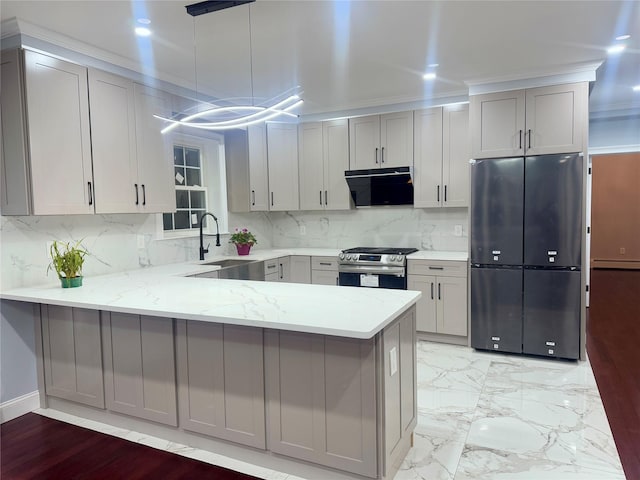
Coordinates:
<point>227,117</point>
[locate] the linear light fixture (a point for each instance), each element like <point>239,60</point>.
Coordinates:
<point>230,116</point>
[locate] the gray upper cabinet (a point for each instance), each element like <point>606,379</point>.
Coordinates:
<point>381,141</point>
<point>113,142</point>
<point>535,121</point>
<point>282,155</point>
<point>113,158</point>
<point>49,176</point>
<point>442,153</point>
<point>247,170</point>
<point>323,159</point>
<point>221,381</point>
<point>72,354</point>
<point>139,366</point>
<point>155,192</point>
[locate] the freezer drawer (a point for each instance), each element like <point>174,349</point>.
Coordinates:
<point>496,309</point>
<point>553,210</point>
<point>497,196</point>
<point>551,307</point>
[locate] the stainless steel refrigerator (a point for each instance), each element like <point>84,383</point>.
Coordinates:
<point>526,238</point>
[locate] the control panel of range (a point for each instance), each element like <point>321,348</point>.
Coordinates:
<point>368,259</point>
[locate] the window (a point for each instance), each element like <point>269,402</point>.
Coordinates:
<point>200,183</point>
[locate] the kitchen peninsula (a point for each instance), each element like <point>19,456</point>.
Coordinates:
<point>322,375</point>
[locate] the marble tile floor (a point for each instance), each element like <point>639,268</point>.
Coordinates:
<point>481,415</point>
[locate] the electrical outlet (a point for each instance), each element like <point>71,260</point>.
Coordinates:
<point>457,230</point>
<point>140,240</point>
<point>623,250</point>
<point>303,230</point>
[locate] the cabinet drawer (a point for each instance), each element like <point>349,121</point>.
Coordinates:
<point>271,266</point>
<point>437,267</point>
<point>324,263</point>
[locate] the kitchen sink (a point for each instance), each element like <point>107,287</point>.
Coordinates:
<point>228,263</point>
<point>236,269</point>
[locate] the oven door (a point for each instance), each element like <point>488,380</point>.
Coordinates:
<point>385,277</point>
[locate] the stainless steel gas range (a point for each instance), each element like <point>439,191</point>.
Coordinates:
<point>374,267</point>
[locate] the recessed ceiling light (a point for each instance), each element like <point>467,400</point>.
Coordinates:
<point>429,76</point>
<point>143,31</point>
<point>433,65</point>
<point>636,88</point>
<point>615,49</point>
<point>623,37</point>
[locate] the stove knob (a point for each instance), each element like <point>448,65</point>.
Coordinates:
<point>393,258</point>
<point>353,258</point>
<point>341,256</point>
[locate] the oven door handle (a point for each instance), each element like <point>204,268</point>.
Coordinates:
<point>372,270</point>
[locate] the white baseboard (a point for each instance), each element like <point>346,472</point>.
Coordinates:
<point>19,406</point>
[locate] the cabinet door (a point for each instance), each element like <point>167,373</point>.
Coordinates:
<point>72,354</point>
<point>324,277</point>
<point>555,118</point>
<point>321,395</point>
<point>284,269</point>
<point>452,305</point>
<point>59,138</point>
<point>497,124</point>
<point>427,170</point>
<point>396,139</point>
<point>426,306</point>
<point>113,134</point>
<point>364,142</point>
<point>335,151</point>
<point>456,153</point>
<point>14,168</point>
<point>258,171</point>
<point>310,160</point>
<point>300,269</point>
<point>139,367</point>
<point>156,191</point>
<point>221,381</point>
<point>282,153</point>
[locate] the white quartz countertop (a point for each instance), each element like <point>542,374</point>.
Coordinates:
<point>433,255</point>
<point>167,291</point>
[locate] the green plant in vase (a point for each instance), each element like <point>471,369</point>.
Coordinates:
<point>67,261</point>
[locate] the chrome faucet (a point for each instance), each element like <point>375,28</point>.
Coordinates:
<point>206,250</point>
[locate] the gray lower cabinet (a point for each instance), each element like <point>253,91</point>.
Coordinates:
<point>72,354</point>
<point>139,366</point>
<point>321,394</point>
<point>344,403</point>
<point>221,381</point>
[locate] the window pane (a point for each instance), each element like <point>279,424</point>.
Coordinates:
<point>182,220</point>
<point>167,221</point>
<point>182,199</point>
<point>197,199</point>
<point>179,175</point>
<point>195,217</point>
<point>193,157</point>
<point>193,177</point>
<point>178,155</point>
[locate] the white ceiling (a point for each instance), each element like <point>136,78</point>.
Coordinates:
<point>350,55</point>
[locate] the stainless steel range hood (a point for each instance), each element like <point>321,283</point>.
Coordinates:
<point>380,186</point>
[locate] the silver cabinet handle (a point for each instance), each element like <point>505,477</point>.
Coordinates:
<point>320,197</point>
<point>431,290</point>
<point>328,264</point>
<point>376,155</point>
<point>281,271</point>
<point>435,268</point>
<point>253,197</point>
<point>326,201</point>
<point>529,139</point>
<point>271,266</point>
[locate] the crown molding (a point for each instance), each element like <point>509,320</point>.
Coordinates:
<point>582,72</point>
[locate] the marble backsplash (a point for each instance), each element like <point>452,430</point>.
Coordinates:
<point>113,239</point>
<point>425,229</point>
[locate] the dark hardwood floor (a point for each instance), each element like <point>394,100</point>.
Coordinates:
<point>37,447</point>
<point>613,346</point>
